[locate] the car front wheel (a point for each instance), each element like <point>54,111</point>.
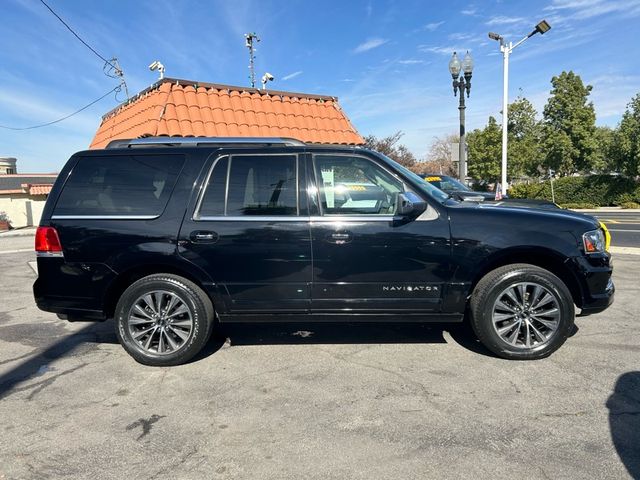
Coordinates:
<point>521,311</point>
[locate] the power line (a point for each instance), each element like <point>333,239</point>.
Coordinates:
<point>113,63</point>
<point>76,35</point>
<point>116,89</point>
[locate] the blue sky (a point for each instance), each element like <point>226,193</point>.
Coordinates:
<point>385,60</point>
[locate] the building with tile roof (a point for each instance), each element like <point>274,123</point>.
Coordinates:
<point>22,197</point>
<point>183,108</point>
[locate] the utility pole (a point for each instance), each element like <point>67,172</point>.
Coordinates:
<point>250,38</point>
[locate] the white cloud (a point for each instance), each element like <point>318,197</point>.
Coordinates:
<point>432,26</point>
<point>504,20</point>
<point>441,50</point>
<point>410,61</point>
<point>582,9</point>
<point>469,11</point>
<point>292,75</point>
<point>370,44</point>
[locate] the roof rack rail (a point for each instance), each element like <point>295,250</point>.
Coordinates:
<point>202,141</point>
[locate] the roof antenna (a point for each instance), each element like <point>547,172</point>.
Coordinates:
<point>267,77</point>
<point>249,40</point>
<point>159,67</point>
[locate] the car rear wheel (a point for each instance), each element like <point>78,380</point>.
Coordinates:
<point>521,311</point>
<point>163,320</point>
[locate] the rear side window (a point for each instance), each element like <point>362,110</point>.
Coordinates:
<point>263,185</point>
<point>213,200</point>
<point>127,185</point>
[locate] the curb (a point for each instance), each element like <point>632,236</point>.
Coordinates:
<point>26,232</point>
<point>625,250</point>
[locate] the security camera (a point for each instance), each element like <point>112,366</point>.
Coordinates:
<point>495,36</point>
<point>159,67</point>
<point>267,77</point>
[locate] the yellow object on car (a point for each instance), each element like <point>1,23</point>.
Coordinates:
<point>607,236</point>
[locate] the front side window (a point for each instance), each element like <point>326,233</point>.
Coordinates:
<point>351,185</point>
<point>120,185</point>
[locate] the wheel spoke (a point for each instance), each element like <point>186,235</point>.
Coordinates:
<point>507,328</point>
<point>499,317</point>
<point>161,341</point>
<point>149,302</point>
<point>500,304</point>
<point>172,303</point>
<point>510,293</point>
<point>142,333</point>
<point>179,311</point>
<point>522,290</point>
<point>537,290</point>
<point>527,336</point>
<point>142,311</point>
<point>133,320</point>
<point>537,333</point>
<point>554,312</point>
<point>172,342</point>
<point>178,332</point>
<point>149,340</point>
<point>158,298</point>
<point>543,301</point>
<point>513,338</point>
<point>550,324</point>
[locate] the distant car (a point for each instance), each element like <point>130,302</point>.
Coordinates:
<point>460,191</point>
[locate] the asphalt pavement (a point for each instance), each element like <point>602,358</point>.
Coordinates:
<point>315,401</point>
<point>624,227</point>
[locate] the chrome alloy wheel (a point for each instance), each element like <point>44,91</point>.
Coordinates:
<point>160,322</point>
<point>526,315</point>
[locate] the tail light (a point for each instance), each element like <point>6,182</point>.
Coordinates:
<point>48,242</point>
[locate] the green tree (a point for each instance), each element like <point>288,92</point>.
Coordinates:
<point>626,145</point>
<point>569,126</point>
<point>484,151</point>
<point>523,129</point>
<point>390,147</point>
<point>604,156</point>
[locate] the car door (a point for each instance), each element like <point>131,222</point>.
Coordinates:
<point>250,232</point>
<point>364,261</point>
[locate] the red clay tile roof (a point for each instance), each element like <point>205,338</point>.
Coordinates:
<point>183,108</point>
<point>39,189</point>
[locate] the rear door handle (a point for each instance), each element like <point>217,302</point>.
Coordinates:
<point>204,236</point>
<point>340,237</point>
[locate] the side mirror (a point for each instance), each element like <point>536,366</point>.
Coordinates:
<point>409,205</point>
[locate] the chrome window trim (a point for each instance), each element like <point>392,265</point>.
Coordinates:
<point>104,217</point>
<point>286,218</point>
<point>252,218</point>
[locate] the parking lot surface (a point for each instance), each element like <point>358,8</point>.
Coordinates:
<point>315,401</point>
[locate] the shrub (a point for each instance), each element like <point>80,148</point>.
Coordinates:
<point>597,190</point>
<point>580,205</point>
<point>630,205</point>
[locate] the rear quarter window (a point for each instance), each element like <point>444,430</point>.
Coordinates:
<point>122,185</point>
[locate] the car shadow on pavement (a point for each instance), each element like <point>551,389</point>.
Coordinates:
<point>348,333</point>
<point>624,420</point>
<point>37,363</point>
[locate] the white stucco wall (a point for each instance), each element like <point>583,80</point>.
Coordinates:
<point>16,206</point>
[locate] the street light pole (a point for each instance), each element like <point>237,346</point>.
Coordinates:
<point>462,83</point>
<point>506,49</point>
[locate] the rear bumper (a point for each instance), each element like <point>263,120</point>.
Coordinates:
<point>596,285</point>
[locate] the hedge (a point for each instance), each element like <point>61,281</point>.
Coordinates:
<point>599,190</point>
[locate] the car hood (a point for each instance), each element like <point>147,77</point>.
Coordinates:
<point>553,217</point>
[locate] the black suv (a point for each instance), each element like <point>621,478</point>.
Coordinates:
<point>169,236</point>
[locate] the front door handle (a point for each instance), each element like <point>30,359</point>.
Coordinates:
<point>204,236</point>
<point>340,238</point>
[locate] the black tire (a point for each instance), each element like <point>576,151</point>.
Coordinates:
<point>199,316</point>
<point>495,284</point>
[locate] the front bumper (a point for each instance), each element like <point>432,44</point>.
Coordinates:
<point>597,290</point>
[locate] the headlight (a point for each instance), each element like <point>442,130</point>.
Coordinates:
<point>593,241</point>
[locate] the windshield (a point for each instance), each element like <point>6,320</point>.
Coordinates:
<point>425,186</point>
<point>448,184</point>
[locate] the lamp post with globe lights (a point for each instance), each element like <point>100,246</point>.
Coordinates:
<point>461,83</point>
